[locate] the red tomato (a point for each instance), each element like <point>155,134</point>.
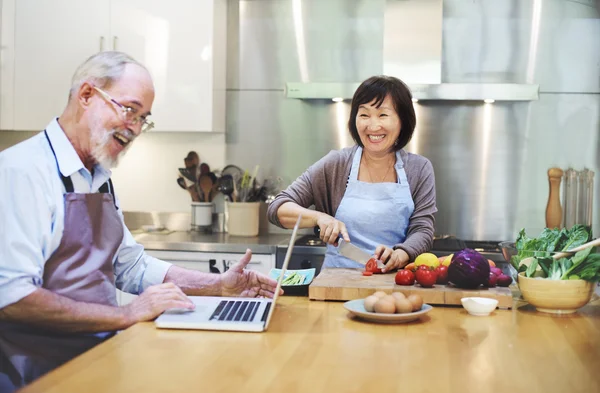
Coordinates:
<point>442,274</point>
<point>365,273</point>
<point>405,277</point>
<point>371,266</point>
<point>426,278</point>
<point>423,267</point>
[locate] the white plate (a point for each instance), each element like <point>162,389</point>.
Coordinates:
<point>357,308</point>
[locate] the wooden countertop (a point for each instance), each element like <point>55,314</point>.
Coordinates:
<point>313,346</point>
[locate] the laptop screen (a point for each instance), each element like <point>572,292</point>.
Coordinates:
<point>288,255</point>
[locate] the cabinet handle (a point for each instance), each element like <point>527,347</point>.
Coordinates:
<point>115,42</point>
<point>101,43</point>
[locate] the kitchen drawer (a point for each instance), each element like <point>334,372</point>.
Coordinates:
<point>260,262</point>
<point>221,261</point>
<point>188,260</point>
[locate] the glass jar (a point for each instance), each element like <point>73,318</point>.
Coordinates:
<point>570,200</point>
<point>585,193</point>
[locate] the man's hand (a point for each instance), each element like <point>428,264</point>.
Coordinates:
<point>247,283</point>
<point>393,259</point>
<point>155,300</point>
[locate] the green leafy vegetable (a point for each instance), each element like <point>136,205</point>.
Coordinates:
<point>578,235</point>
<point>588,270</point>
<point>562,238</point>
<point>545,264</point>
<point>293,279</point>
<point>576,260</point>
<point>583,265</point>
<point>531,268</point>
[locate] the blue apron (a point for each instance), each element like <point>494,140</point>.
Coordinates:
<point>374,213</point>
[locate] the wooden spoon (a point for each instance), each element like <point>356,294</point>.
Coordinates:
<point>562,254</point>
<point>595,242</point>
<point>206,184</point>
<point>194,193</point>
<point>204,168</point>
<point>193,158</point>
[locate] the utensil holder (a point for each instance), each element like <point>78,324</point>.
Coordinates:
<point>202,215</point>
<point>243,218</point>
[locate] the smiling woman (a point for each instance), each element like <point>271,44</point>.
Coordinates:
<point>382,109</point>
<point>374,194</point>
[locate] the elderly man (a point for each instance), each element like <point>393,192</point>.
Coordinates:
<point>63,243</point>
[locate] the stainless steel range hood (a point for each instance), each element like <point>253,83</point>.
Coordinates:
<point>412,51</point>
<point>441,91</point>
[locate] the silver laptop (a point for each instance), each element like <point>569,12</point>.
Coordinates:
<point>228,313</point>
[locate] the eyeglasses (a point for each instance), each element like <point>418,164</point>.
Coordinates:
<point>128,114</point>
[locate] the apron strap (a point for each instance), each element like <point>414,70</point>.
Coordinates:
<point>106,188</point>
<point>66,180</point>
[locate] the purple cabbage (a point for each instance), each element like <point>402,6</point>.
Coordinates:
<point>468,269</point>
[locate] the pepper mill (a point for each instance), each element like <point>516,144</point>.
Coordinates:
<point>553,208</point>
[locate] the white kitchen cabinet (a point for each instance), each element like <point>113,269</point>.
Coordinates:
<point>42,48</point>
<point>202,261</point>
<point>182,43</point>
<point>178,44</point>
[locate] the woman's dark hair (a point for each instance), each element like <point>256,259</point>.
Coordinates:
<point>377,88</point>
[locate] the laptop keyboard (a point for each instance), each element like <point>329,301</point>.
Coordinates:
<point>236,310</point>
<point>264,317</point>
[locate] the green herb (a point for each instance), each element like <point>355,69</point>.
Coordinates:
<point>293,279</point>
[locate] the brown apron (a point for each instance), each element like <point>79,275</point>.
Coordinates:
<point>81,269</point>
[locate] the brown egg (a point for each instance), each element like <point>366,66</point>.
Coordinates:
<point>403,306</point>
<point>370,303</point>
<point>416,301</point>
<point>398,295</point>
<point>385,307</point>
<point>380,294</point>
<point>389,298</point>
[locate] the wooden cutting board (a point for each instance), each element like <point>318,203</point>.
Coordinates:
<point>349,284</point>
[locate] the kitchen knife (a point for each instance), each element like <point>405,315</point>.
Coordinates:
<point>351,251</point>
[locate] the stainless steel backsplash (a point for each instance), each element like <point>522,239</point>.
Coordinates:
<point>490,161</point>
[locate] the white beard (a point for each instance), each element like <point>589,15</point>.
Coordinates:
<point>100,138</point>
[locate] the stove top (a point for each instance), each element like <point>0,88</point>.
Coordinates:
<point>310,241</point>
<point>483,245</point>
<point>454,244</point>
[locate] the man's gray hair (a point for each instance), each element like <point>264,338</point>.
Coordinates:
<point>101,69</point>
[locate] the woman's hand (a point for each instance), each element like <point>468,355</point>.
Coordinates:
<point>331,229</point>
<point>393,259</point>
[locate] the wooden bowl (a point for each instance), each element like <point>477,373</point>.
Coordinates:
<point>555,296</point>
